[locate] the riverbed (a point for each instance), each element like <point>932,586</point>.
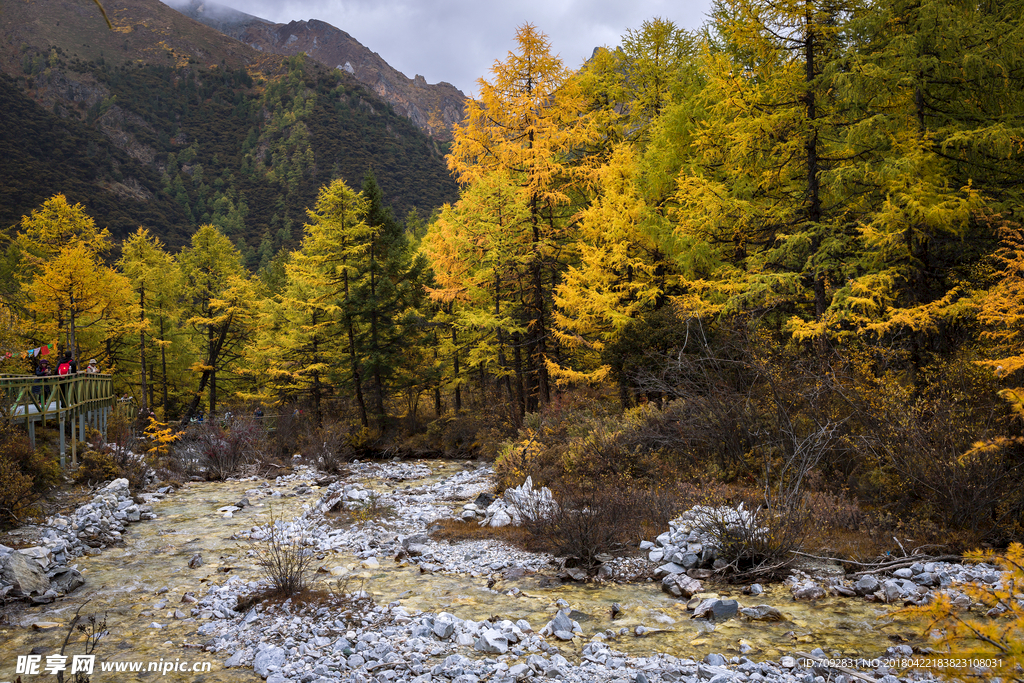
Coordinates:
<point>153,603</point>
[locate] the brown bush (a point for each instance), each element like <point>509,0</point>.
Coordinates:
<point>24,475</point>
<point>466,435</point>
<point>17,499</point>
<point>598,519</point>
<point>96,467</point>
<point>219,451</point>
<point>285,564</point>
<point>329,446</point>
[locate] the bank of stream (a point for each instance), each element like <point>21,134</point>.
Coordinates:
<point>147,589</point>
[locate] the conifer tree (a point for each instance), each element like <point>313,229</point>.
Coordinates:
<point>75,295</point>
<point>526,125</point>
<point>220,297</point>
<point>332,261</point>
<point>389,294</point>
<point>481,260</point>
<point>156,283</point>
<point>297,342</point>
<point>934,102</point>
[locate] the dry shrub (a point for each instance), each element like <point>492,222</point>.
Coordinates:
<point>937,452</point>
<point>17,498</point>
<point>458,436</point>
<point>599,519</point>
<point>285,563</point>
<point>96,467</point>
<point>289,431</point>
<point>522,458</point>
<point>219,452</point>
<point>24,475</point>
<point>471,434</point>
<point>330,446</point>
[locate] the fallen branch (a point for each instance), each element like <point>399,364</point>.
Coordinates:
<point>886,565</point>
<point>909,562</point>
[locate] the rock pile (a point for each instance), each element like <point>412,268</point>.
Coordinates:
<point>361,643</point>
<point>403,536</point>
<point>695,538</point>
<point>517,505</point>
<point>914,585</point>
<point>41,573</point>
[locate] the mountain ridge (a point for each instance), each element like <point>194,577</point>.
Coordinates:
<point>165,123</point>
<point>434,108</point>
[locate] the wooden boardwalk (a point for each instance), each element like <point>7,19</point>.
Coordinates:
<point>83,400</point>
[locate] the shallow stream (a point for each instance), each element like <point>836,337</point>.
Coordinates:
<point>127,585</point>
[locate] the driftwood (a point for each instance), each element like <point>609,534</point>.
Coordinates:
<point>884,565</point>
<point>906,562</point>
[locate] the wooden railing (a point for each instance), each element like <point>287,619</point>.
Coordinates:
<point>82,398</point>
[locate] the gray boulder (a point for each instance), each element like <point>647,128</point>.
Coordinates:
<point>808,592</point>
<point>492,641</point>
<point>762,613</point>
<point>681,585</point>
<point>235,659</point>
<point>716,610</point>
<point>272,656</point>
<point>866,585</point>
<point>893,591</point>
<point>24,574</point>
<point>669,568</point>
<point>66,580</point>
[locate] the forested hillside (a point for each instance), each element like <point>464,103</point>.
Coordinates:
<point>167,141</point>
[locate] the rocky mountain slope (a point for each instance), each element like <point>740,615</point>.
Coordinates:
<point>433,108</point>
<point>165,123</point>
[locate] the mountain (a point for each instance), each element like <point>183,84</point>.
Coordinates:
<point>164,122</point>
<point>434,108</point>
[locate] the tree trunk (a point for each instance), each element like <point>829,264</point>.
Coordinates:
<point>517,359</point>
<point>455,370</point>
<point>208,376</point>
<point>352,356</point>
<point>378,384</point>
<point>163,366</point>
<point>142,348</point>
<point>213,375</point>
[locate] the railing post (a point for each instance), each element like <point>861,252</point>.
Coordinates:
<point>60,424</point>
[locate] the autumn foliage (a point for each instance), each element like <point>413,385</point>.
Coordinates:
<point>782,253</point>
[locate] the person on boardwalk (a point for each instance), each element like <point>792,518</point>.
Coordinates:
<point>92,368</point>
<point>42,370</point>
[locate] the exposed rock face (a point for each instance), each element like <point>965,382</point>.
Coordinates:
<point>24,575</point>
<point>433,108</point>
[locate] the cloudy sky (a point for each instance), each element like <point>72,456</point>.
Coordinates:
<point>459,40</point>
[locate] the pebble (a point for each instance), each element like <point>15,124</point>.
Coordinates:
<point>422,648</point>
<point>366,642</point>
<point>90,528</point>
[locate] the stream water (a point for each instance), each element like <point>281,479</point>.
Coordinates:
<point>139,586</point>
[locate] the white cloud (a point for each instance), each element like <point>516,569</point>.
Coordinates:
<point>459,40</point>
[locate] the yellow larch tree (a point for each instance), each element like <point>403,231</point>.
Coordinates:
<point>528,124</point>
<point>75,295</point>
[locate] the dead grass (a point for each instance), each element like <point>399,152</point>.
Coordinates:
<point>456,530</point>
<point>373,508</point>
<point>347,604</point>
